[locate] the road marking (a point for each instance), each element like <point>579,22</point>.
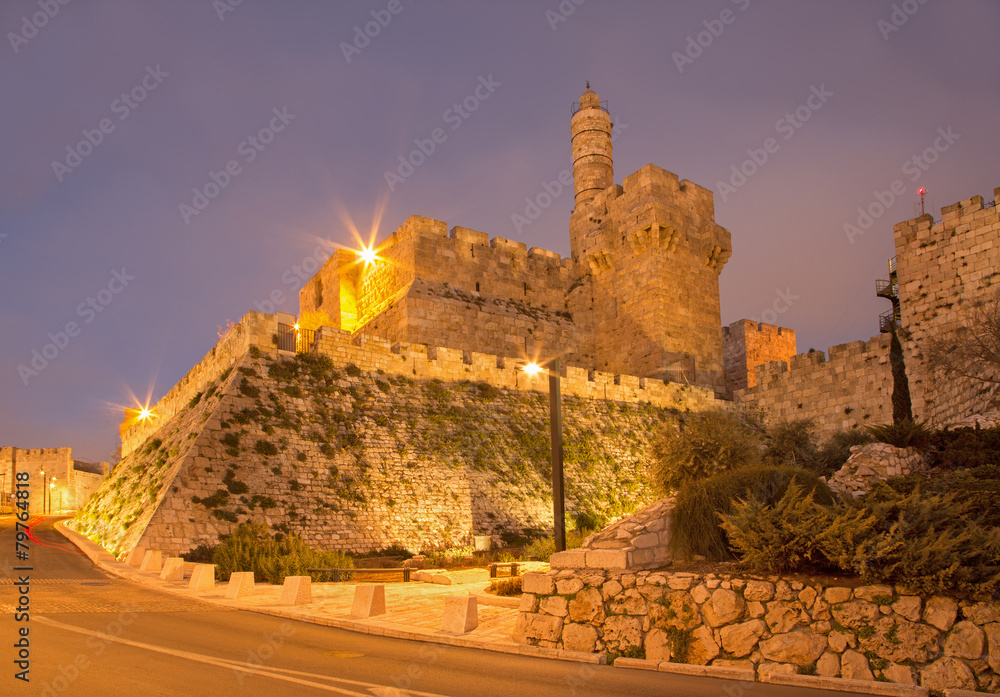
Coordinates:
<point>273,673</point>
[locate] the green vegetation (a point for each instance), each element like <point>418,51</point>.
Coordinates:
<point>701,445</point>
<point>506,586</point>
<point>252,548</point>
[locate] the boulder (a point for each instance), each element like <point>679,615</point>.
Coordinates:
<point>801,647</point>
<point>553,605</point>
<point>948,673</point>
<point>621,632</point>
<point>965,640</point>
<point>537,627</point>
<point>941,612</point>
<point>703,647</point>
<point>856,613</point>
<point>587,606</point>
<point>579,637</point>
<point>992,632</point>
<point>900,641</point>
<point>740,639</point>
<point>725,606</point>
<point>854,666</point>
<point>759,590</point>
<point>677,609</point>
<point>629,602</point>
<point>828,665</point>
<point>908,607</point>
<point>901,675</point>
<point>782,615</point>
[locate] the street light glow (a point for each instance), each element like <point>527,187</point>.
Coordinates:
<point>367,255</point>
<point>144,414</point>
<point>532,369</point>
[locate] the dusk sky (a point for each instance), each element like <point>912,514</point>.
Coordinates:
<point>116,113</point>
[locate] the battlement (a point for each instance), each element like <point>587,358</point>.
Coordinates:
<point>852,387</point>
<point>747,344</point>
<point>957,218</point>
<point>412,360</point>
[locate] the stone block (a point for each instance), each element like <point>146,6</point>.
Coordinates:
<point>202,577</point>
<point>540,584</point>
<point>570,559</point>
<point>173,569</point>
<point>369,601</point>
<point>297,590</point>
<point>152,560</point>
<point>241,585</point>
<point>461,614</point>
<point>136,556</point>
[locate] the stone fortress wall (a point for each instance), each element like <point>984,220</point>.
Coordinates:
<point>415,361</point>
<point>747,344</point>
<point>942,269</point>
<point>74,481</point>
<point>853,387</point>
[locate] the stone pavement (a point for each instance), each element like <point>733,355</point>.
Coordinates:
<point>414,610</point>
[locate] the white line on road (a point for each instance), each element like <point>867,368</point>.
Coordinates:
<point>273,673</point>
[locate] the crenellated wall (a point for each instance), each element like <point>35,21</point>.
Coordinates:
<point>942,269</point>
<point>747,344</point>
<point>851,388</point>
<point>66,483</point>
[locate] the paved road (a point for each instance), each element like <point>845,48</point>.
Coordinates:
<point>92,634</point>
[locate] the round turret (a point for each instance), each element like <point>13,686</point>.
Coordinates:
<point>590,127</point>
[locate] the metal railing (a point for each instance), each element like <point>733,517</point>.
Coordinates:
<point>887,320</point>
<point>887,287</point>
<point>297,340</point>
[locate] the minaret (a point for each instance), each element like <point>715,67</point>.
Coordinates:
<point>591,134</point>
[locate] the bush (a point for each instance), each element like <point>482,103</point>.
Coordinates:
<point>700,446</point>
<point>589,520</point>
<point>265,447</point>
<point>506,586</point>
<point>778,538</point>
<point>792,443</point>
<point>542,548</point>
<point>906,434</point>
<point>701,504</point>
<point>837,448</point>
<point>251,548</point>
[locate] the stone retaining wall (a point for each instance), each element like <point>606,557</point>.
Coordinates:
<point>875,632</point>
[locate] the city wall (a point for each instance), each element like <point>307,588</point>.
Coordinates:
<point>64,486</point>
<point>943,268</point>
<point>851,388</point>
<point>747,344</point>
<point>417,361</point>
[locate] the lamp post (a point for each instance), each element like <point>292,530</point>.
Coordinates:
<point>44,487</point>
<point>555,423</point>
<point>52,485</point>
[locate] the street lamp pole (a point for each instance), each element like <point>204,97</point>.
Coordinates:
<point>555,421</point>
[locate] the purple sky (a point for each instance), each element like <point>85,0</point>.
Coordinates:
<point>211,83</point>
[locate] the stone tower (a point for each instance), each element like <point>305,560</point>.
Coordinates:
<point>654,252</point>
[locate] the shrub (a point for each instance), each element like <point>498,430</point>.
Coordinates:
<point>506,586</point>
<point>906,434</point>
<point>202,554</point>
<point>251,548</point>
<point>219,498</point>
<point>701,504</point>
<point>837,448</point>
<point>542,548</point>
<point>245,388</point>
<point>776,538</point>
<point>792,443</point>
<point>352,370</point>
<point>194,400</point>
<point>265,447</point>
<point>589,520</point>
<point>702,445</point>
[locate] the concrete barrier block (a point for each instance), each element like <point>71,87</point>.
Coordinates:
<point>441,579</point>
<point>297,590</point>
<point>240,585</point>
<point>173,569</point>
<point>369,601</point>
<point>202,578</point>
<point>135,557</point>
<point>461,614</point>
<point>482,543</point>
<point>152,560</point>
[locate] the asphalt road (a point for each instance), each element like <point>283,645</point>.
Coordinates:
<point>94,634</point>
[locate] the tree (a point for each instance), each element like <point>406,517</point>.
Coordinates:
<point>971,351</point>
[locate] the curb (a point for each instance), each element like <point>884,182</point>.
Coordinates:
<point>866,687</point>
<point>101,557</point>
<point>720,672</point>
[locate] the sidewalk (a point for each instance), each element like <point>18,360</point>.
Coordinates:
<point>414,610</point>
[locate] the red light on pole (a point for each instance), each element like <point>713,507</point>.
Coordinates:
<point>921,191</point>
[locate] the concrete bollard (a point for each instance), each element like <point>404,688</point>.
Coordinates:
<point>240,585</point>
<point>152,560</point>
<point>297,590</point>
<point>173,569</point>
<point>135,557</point>
<point>202,578</point>
<point>369,601</point>
<point>461,614</point>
